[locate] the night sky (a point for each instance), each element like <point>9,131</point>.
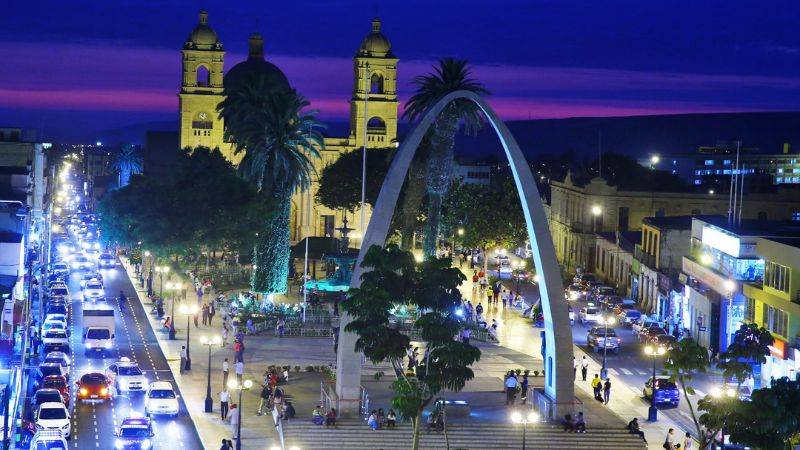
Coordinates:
<point>94,65</point>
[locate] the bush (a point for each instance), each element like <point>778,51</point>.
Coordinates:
<point>311,369</point>
<point>535,373</point>
<point>297,368</point>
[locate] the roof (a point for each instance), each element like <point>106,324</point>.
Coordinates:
<point>754,227</point>
<point>627,239</point>
<point>790,241</point>
<point>675,222</point>
<point>203,36</point>
<point>254,67</point>
<point>375,44</point>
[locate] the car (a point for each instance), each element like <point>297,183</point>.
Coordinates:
<point>54,340</point>
<point>585,279</point>
<point>57,308</point>
<point>57,358</point>
<point>54,317</point>
<point>55,325</point>
<point>53,416</point>
<point>92,276</point>
<point>134,433</point>
<point>46,395</point>
<point>161,398</point>
<point>611,301</point>
<point>48,440</point>
<point>47,369</point>
<point>628,317</point>
<point>107,261</point>
<point>596,339</point>
<point>93,291</point>
<point>81,262</point>
<point>58,290</point>
<point>745,391</point>
<point>665,392</point>
<point>663,339</point>
<point>126,376</point>
<point>640,328</point>
<point>93,386</point>
<point>505,270</point>
<point>60,267</point>
<point>65,248</point>
<point>600,291</point>
<point>58,383</point>
<point>589,314</point>
<point>574,292</point>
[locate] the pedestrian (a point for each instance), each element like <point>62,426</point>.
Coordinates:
<point>633,428</point>
<point>225,368</point>
<point>489,296</point>
<point>235,420</point>
<point>224,334</point>
<point>239,369</point>
<point>580,423</point>
<point>669,442</point>
<point>688,442</point>
<point>224,398</point>
<point>211,312</point>
<point>280,327</point>
<point>35,343</point>
<point>523,393</point>
<point>496,290</point>
<point>465,335</point>
<point>597,386</point>
<point>205,314</point>
<point>479,311</point>
<point>266,393</point>
<point>606,391</point>
<point>584,367</point>
<point>224,445</point>
<point>511,387</point>
<point>504,297</point>
<point>195,320</point>
<point>184,357</point>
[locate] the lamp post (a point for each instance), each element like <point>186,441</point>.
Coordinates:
<point>606,320</point>
<point>655,159</point>
<point>244,386</point>
<point>148,267</point>
<point>173,287</point>
<point>653,352</point>
<point>161,271</point>
<point>723,394</point>
<point>210,342</point>
<point>190,310</point>
<point>531,417</point>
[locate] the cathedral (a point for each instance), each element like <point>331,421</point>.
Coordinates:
<point>373,111</point>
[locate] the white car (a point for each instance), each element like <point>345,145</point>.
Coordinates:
<point>55,325</point>
<point>81,262</point>
<point>589,314</point>
<point>56,316</point>
<point>126,376</point>
<point>48,439</point>
<point>58,290</point>
<point>90,277</point>
<point>54,416</point>
<point>160,398</point>
<point>55,337</point>
<point>60,267</point>
<point>93,291</point>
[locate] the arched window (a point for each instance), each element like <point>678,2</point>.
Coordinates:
<point>376,125</point>
<point>376,84</point>
<point>203,76</point>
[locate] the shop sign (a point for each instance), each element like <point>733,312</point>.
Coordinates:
<point>778,349</point>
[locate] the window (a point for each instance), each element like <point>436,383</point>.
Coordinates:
<point>796,216</point>
<point>622,218</point>
<point>777,276</point>
<point>775,320</point>
<point>376,84</point>
<point>203,76</point>
<point>727,162</point>
<point>376,125</point>
<point>750,310</point>
<point>709,162</point>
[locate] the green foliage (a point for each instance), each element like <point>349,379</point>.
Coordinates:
<point>491,215</point>
<point>750,346</point>
<point>686,358</point>
<point>340,182</point>
<point>430,287</point>
<point>126,162</point>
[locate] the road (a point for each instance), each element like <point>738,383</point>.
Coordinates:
<point>94,423</point>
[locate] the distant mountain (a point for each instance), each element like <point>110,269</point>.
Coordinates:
<point>642,135</point>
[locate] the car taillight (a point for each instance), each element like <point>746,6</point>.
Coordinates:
<point>84,392</point>
<point>104,391</point>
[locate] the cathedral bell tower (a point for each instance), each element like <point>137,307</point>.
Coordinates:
<point>374,92</point>
<point>201,89</point>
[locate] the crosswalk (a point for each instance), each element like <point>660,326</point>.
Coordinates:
<point>625,371</point>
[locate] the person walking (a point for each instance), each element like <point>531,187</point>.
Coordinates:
<point>195,320</point>
<point>205,314</point>
<point>224,398</point>
<point>606,391</point>
<point>523,393</point>
<point>688,442</point>
<point>511,388</point>
<point>584,367</point>
<point>225,445</point>
<point>597,386</point>
<point>239,369</point>
<point>225,369</point>
<point>211,312</point>
<point>504,298</point>
<point>234,415</point>
<point>224,334</point>
<point>266,393</point>
<point>183,358</point>
<point>466,333</point>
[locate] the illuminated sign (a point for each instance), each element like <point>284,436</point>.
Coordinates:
<point>721,241</point>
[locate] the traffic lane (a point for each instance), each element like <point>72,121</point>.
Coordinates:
<point>145,349</point>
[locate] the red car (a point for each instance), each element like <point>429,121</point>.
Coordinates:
<point>94,386</point>
<point>59,383</point>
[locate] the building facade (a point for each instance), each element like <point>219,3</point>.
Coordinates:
<point>373,116</point>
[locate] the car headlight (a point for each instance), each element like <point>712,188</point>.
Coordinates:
<point>88,345</point>
<point>146,443</point>
<point>118,443</point>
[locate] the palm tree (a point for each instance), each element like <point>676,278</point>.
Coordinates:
<point>449,76</point>
<point>279,139</point>
<point>126,162</point>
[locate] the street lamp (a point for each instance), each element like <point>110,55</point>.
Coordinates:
<point>173,287</point>
<point>722,394</point>
<point>596,212</point>
<point>244,386</point>
<point>460,231</point>
<point>606,321</point>
<point>161,271</point>
<point>531,417</point>
<point>210,342</point>
<point>655,159</point>
<point>190,310</point>
<point>653,352</point>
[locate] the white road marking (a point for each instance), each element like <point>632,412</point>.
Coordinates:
<point>625,371</point>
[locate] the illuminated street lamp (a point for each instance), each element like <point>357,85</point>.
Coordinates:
<point>210,342</point>
<point>606,321</point>
<point>174,287</point>
<point>597,211</point>
<point>190,310</point>
<point>706,259</point>
<point>460,231</point>
<point>246,385</point>
<point>518,417</point>
<point>653,352</point>
<point>655,159</point>
<point>161,271</point>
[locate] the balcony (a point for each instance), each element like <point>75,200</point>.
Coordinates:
<point>644,258</point>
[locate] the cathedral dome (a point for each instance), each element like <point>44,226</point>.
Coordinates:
<point>375,44</point>
<point>203,36</point>
<point>255,65</point>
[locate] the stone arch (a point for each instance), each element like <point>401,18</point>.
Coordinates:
<point>559,378</point>
<point>202,75</point>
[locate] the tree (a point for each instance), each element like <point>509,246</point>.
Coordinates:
<point>449,76</point>
<point>340,182</point>
<point>770,420</point>
<point>490,215</point>
<point>750,346</point>
<point>126,162</point>
<point>432,288</point>
<point>279,139</point>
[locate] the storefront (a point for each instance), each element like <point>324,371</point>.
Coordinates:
<point>781,362</point>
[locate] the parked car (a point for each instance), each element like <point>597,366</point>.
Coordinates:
<point>627,317</point>
<point>47,395</point>
<point>54,317</point>
<point>58,290</point>
<point>47,369</point>
<point>589,314</point>
<point>48,440</point>
<point>60,267</point>
<point>598,337</point>
<point>53,416</point>
<point>60,384</point>
<point>161,398</point>
<point>59,358</point>
<point>662,339</point>
<point>55,325</point>
<point>665,391</point>
<point>55,340</point>
<point>94,386</point>
<point>57,308</point>
<point>600,291</point>
<point>640,328</point>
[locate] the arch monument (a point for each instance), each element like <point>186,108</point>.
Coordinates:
<point>559,378</point>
